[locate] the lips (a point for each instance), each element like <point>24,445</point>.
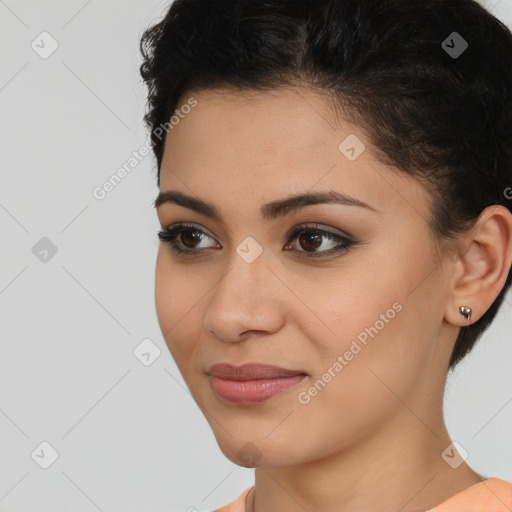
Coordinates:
<point>251,384</point>
<point>251,371</point>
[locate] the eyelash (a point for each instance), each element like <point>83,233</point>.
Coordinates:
<point>170,234</point>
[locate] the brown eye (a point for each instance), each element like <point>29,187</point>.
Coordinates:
<point>310,241</point>
<point>184,239</point>
<point>191,237</point>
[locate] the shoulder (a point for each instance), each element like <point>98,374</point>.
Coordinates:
<point>492,494</point>
<point>238,505</point>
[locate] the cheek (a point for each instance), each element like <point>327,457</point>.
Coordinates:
<point>165,294</point>
<point>174,304</point>
<point>361,371</point>
<point>369,317</point>
<point>386,329</point>
<point>345,304</point>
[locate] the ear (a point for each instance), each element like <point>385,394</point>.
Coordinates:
<point>480,271</point>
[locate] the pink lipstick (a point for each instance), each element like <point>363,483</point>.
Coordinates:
<point>251,384</point>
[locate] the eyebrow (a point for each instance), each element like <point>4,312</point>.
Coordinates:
<point>269,211</point>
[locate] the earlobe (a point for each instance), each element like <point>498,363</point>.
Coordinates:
<point>485,266</point>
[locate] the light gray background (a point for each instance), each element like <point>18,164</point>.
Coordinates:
<point>128,436</point>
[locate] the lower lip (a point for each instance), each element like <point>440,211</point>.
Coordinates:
<point>248,392</point>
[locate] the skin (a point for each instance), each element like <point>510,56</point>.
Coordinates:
<point>373,437</point>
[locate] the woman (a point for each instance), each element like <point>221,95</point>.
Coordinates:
<point>335,206</point>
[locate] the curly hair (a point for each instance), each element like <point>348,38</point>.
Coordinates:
<point>429,82</point>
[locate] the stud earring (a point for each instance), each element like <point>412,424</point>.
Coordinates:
<point>465,311</point>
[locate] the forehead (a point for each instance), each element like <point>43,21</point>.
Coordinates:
<point>262,145</point>
<point>254,119</point>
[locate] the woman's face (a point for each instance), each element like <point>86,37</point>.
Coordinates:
<point>364,323</point>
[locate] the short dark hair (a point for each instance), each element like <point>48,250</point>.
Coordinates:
<point>390,65</point>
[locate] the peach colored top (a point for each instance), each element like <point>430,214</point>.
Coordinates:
<point>490,495</point>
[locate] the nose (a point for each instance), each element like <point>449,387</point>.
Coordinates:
<point>245,302</point>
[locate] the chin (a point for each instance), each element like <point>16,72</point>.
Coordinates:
<point>260,451</point>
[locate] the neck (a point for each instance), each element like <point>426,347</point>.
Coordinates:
<point>398,468</point>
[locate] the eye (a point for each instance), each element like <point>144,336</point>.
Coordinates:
<point>183,238</point>
<point>186,239</point>
<point>311,238</point>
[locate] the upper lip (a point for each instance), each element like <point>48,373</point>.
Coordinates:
<point>250,371</point>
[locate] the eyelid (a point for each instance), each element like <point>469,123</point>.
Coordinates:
<point>291,232</point>
<point>191,225</point>
<point>317,226</point>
